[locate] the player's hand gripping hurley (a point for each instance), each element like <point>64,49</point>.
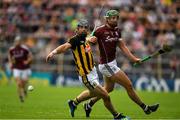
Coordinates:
<point>164,49</point>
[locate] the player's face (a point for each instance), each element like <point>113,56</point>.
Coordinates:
<point>112,21</point>
<point>82,30</point>
<point>17,43</point>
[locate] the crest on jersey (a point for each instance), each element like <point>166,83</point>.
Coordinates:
<point>87,48</point>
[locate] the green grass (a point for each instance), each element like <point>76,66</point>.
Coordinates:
<point>51,103</point>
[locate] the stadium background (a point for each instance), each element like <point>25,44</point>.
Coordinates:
<point>45,24</point>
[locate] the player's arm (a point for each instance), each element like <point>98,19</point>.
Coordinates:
<point>10,59</point>
<point>126,51</point>
<point>59,50</point>
<point>29,59</point>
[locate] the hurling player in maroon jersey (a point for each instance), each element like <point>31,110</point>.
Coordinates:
<point>108,36</point>
<point>20,59</point>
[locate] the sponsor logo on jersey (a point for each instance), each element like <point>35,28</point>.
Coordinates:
<point>111,39</point>
<point>18,54</point>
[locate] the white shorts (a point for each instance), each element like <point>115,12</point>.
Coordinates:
<point>109,69</point>
<point>90,80</point>
<point>22,74</point>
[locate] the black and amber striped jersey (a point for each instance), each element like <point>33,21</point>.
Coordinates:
<point>82,54</point>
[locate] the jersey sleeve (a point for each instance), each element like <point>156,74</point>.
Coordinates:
<point>72,42</point>
<point>99,32</point>
<point>10,51</point>
<point>26,49</point>
<point>119,33</point>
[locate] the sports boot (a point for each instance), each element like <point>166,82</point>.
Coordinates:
<point>87,109</point>
<point>72,107</point>
<point>151,108</point>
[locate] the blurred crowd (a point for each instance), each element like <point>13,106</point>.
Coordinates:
<point>146,24</point>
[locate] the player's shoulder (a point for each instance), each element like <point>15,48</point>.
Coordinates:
<point>100,28</point>
<point>25,47</point>
<point>11,48</point>
<point>72,38</point>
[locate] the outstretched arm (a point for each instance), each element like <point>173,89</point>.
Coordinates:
<point>58,50</point>
<point>29,59</point>
<point>127,52</point>
<point>10,59</point>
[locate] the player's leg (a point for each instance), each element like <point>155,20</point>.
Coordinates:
<point>20,89</point>
<point>24,86</point>
<point>91,82</point>
<point>102,93</point>
<point>17,76</point>
<point>83,95</point>
<point>25,77</point>
<point>122,79</point>
<point>108,85</point>
<point>86,94</point>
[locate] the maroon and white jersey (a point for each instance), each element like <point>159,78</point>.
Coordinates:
<point>107,40</point>
<point>19,54</point>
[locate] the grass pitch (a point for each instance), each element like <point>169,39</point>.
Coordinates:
<point>51,103</point>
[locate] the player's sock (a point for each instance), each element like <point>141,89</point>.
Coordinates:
<point>91,103</point>
<point>72,107</point>
<point>116,115</point>
<point>147,110</point>
<point>25,93</point>
<point>143,106</point>
<point>21,98</point>
<point>119,116</point>
<point>87,109</point>
<point>76,102</point>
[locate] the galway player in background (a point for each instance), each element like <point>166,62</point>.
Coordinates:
<point>108,37</point>
<point>20,59</point>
